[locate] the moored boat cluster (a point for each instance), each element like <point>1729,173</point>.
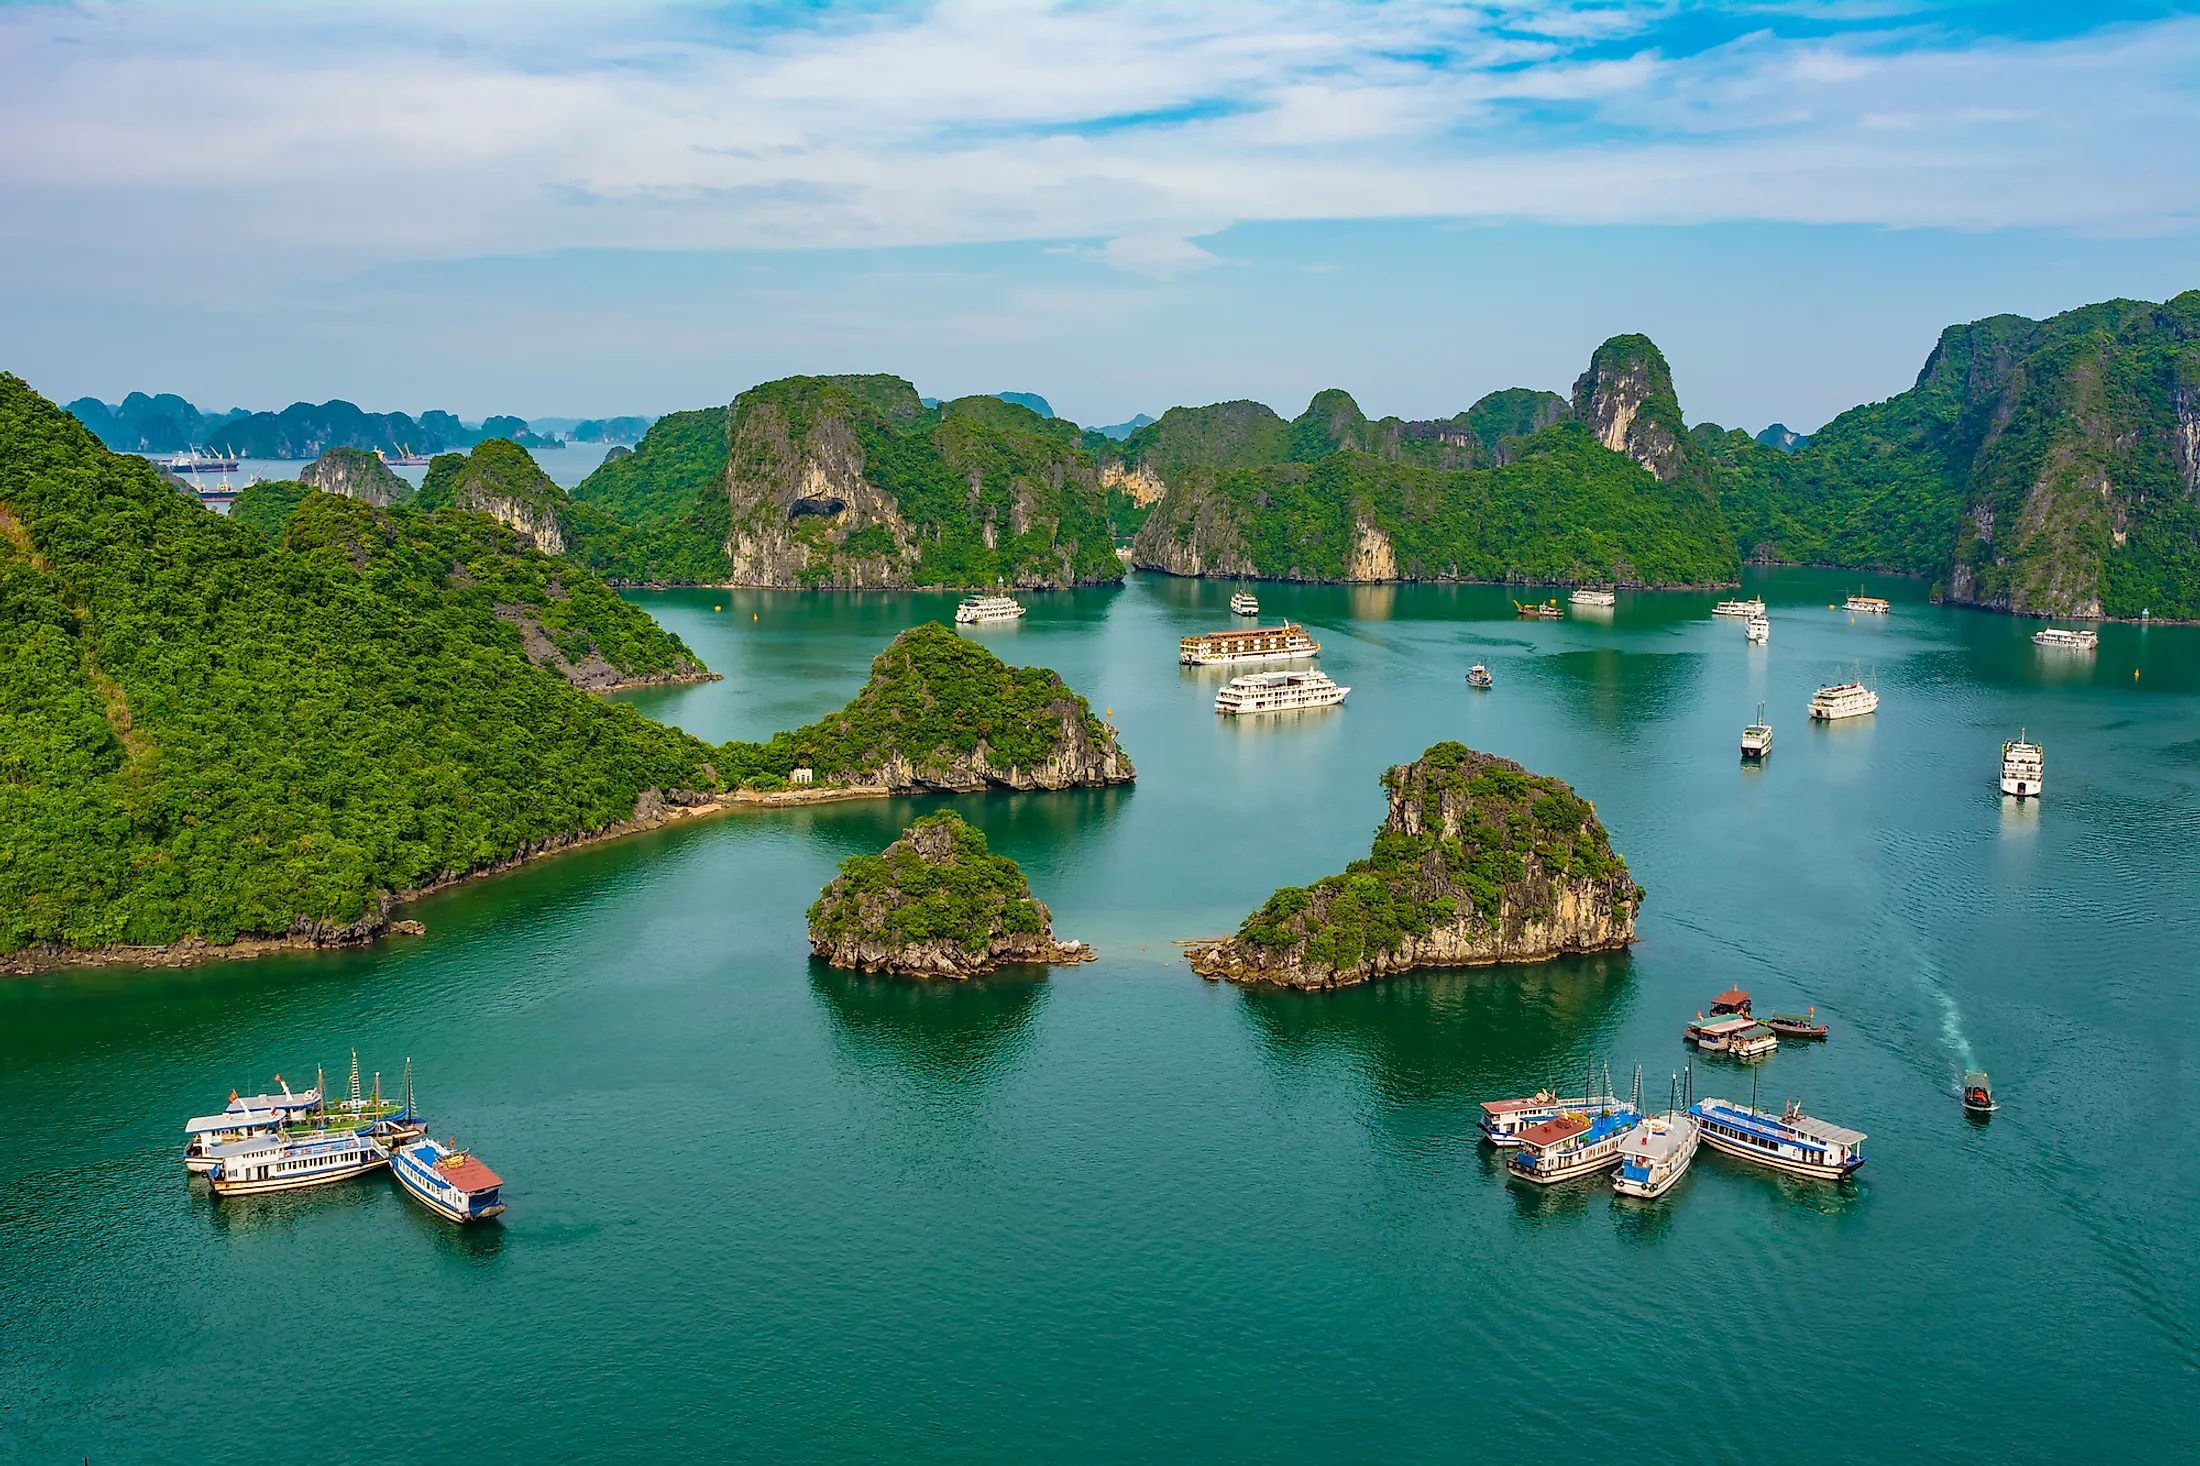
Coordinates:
<point>287,1141</point>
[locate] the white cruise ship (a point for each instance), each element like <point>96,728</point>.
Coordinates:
<point>1656,1153</point>
<point>1758,629</point>
<point>281,1162</point>
<point>1848,700</point>
<point>2023,765</point>
<point>976,610</point>
<point>1244,604</point>
<point>1869,605</point>
<point>1743,609</point>
<point>1589,596</point>
<point>1757,737</point>
<point>2057,639</point>
<point>1279,692</point>
<point>1286,643</point>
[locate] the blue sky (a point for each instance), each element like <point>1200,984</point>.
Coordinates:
<point>583,209</point>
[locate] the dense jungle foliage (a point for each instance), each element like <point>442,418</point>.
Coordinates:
<point>932,698</point>
<point>899,898</point>
<point>671,490</point>
<point>1496,832</point>
<point>202,732</point>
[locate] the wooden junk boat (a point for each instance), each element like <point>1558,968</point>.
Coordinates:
<point>1796,1025</point>
<point>1547,611</point>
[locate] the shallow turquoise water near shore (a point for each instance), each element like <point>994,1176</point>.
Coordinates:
<point>762,1208</point>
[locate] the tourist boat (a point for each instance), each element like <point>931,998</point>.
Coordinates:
<point>246,1117</point>
<point>2057,639</point>
<point>1978,1092</point>
<point>1547,611</point>
<point>1795,1025</point>
<point>1743,609</point>
<point>1753,1042</point>
<point>1757,737</point>
<point>1479,676</point>
<point>1791,1142</point>
<point>447,1180</point>
<point>2022,765</point>
<point>980,610</point>
<point>1589,596</point>
<point>1503,1120</point>
<point>1655,1154</point>
<point>1278,692</point>
<point>1244,604</point>
<point>284,1162</point>
<point>1758,630</point>
<point>1729,1003</point>
<point>1572,1143</point>
<point>1714,1034</point>
<point>1869,605</point>
<point>1843,700</point>
<point>1286,643</point>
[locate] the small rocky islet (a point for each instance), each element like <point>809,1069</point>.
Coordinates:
<point>1478,861</point>
<point>937,903</point>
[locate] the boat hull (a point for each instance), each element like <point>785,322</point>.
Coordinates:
<point>297,1182</point>
<point>1551,1176</point>
<point>1793,1167</point>
<point>2023,788</point>
<point>446,1201</point>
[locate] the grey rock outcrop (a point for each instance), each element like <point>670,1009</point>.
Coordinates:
<point>1627,401</point>
<point>356,474</point>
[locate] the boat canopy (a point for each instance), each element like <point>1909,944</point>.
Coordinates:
<point>1821,1131</point>
<point>231,1120</point>
<point>1726,1023</point>
<point>1731,998</point>
<point>1552,1131</point>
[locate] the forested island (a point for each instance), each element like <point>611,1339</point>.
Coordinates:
<point>219,734</point>
<point>1478,861</point>
<point>935,903</point>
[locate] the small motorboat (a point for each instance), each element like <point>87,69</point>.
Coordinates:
<point>1978,1093</point>
<point>1795,1025</point>
<point>1478,676</point>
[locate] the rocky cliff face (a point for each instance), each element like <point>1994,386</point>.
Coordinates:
<point>1626,399</point>
<point>1479,861</point>
<point>935,903</point>
<point>500,479</point>
<point>356,474</point>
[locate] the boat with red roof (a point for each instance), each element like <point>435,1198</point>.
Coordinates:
<point>1576,1143</point>
<point>1503,1120</point>
<point>449,1181</point>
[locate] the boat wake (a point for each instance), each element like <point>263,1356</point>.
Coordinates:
<point>1951,1021</point>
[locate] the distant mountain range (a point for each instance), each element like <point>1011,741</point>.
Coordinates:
<point>169,424</point>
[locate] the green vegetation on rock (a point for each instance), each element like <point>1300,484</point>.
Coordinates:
<point>938,884</point>
<point>267,505</point>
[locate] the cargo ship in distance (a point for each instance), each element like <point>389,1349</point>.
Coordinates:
<point>1288,642</point>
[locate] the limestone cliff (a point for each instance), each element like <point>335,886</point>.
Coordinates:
<point>1479,861</point>
<point>500,479</point>
<point>935,903</point>
<point>942,714</point>
<point>356,474</point>
<point>1626,399</point>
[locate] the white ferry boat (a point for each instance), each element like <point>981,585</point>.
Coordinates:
<point>1286,643</point>
<point>449,1182</point>
<point>1503,1120</point>
<point>1792,1142</point>
<point>2022,767</point>
<point>245,1117</point>
<point>1758,630</point>
<point>1869,605</point>
<point>1244,604</point>
<point>1279,692</point>
<point>1655,1155</point>
<point>1571,1144</point>
<point>977,610</point>
<point>1757,737</point>
<point>2056,639</point>
<point>1743,609</point>
<point>1589,596</point>
<point>287,1162</point>
<point>1845,700</point>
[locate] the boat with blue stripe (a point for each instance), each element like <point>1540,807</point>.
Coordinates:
<point>1575,1143</point>
<point>447,1180</point>
<point>1790,1141</point>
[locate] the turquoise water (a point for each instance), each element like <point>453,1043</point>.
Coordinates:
<point>763,1209</point>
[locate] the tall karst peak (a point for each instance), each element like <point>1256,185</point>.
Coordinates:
<point>1626,400</point>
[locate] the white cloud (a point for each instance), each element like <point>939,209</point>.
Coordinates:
<point>241,142</point>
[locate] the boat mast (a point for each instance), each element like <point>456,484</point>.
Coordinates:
<point>408,1087</point>
<point>1753,1076</point>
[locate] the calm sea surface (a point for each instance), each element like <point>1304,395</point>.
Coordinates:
<point>765,1210</point>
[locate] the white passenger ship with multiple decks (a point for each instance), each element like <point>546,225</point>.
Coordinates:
<point>1278,692</point>
<point>1572,1143</point>
<point>2023,767</point>
<point>1758,629</point>
<point>1743,609</point>
<point>1503,1120</point>
<point>1869,605</point>
<point>1656,1154</point>
<point>248,1117</point>
<point>1588,595</point>
<point>2054,638</point>
<point>1844,700</point>
<point>979,610</point>
<point>1791,1142</point>
<point>1286,643</point>
<point>282,1162</point>
<point>1243,603</point>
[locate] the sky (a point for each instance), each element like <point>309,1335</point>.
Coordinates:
<point>585,209</point>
